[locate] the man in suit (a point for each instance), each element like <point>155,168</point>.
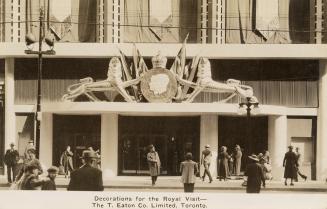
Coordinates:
<point>290,163</point>
<point>189,169</point>
<point>205,161</point>
<point>86,178</point>
<point>11,158</point>
<point>255,175</point>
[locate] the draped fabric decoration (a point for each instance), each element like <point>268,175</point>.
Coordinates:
<point>160,20</point>
<point>68,20</point>
<point>32,16</point>
<point>247,21</point>
<point>61,20</point>
<point>266,17</point>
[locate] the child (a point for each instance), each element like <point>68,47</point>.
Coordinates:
<point>50,184</point>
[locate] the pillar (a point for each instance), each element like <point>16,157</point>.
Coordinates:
<point>277,143</point>
<point>321,154</point>
<point>209,135</point>
<point>10,119</point>
<point>109,145</point>
<point>46,141</point>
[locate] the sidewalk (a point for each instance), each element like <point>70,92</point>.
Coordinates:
<point>173,182</point>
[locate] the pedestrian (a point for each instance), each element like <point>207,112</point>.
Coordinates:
<point>237,160</point>
<point>31,179</point>
<point>205,161</point>
<point>188,169</point>
<point>11,158</point>
<point>29,146</point>
<point>230,164</point>
<point>86,178</point>
<point>50,184</point>
<point>290,164</point>
<point>31,160</point>
<point>154,164</point>
<point>298,160</point>
<point>66,160</point>
<point>254,175</point>
<point>223,163</point>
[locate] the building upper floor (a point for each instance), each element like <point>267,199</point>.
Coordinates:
<point>167,21</point>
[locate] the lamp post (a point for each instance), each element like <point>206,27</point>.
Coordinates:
<point>30,40</point>
<point>248,106</point>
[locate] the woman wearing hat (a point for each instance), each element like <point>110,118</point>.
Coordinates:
<point>223,170</point>
<point>32,160</point>
<point>188,169</point>
<point>31,179</point>
<point>290,163</point>
<point>255,175</point>
<point>154,164</point>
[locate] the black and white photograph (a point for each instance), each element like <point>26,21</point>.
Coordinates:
<point>163,104</point>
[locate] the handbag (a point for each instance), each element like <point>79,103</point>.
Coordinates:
<point>61,170</point>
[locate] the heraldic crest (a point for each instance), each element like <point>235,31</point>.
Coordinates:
<point>137,83</point>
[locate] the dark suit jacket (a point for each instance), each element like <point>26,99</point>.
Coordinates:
<point>11,157</point>
<point>86,178</point>
<point>255,177</point>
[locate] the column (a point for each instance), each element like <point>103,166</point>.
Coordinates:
<point>10,119</point>
<point>209,135</point>
<point>321,154</point>
<point>277,143</point>
<point>109,145</point>
<point>46,141</point>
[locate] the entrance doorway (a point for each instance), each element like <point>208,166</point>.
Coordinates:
<point>78,132</point>
<point>250,133</point>
<point>172,137</point>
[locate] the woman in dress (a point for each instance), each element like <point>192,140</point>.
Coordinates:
<point>66,160</point>
<point>223,163</point>
<point>154,164</point>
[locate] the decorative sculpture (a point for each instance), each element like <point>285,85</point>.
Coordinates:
<point>159,84</point>
<point>205,83</point>
<point>114,82</point>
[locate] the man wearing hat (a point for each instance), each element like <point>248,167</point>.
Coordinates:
<point>11,157</point>
<point>205,161</point>
<point>290,163</point>
<point>50,184</point>
<point>86,178</point>
<point>255,175</point>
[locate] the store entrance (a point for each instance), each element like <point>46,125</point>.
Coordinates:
<point>78,132</point>
<point>250,133</point>
<point>172,137</point>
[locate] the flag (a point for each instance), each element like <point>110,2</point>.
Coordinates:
<point>179,63</point>
<point>139,64</point>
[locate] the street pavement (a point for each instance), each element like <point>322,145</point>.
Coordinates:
<point>172,183</point>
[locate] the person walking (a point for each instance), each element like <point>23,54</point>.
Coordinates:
<point>154,164</point>
<point>205,161</point>
<point>50,184</point>
<point>255,175</point>
<point>223,163</point>
<point>11,158</point>
<point>188,169</point>
<point>290,164</point>
<point>298,160</point>
<point>66,160</point>
<point>237,160</point>
<point>86,178</point>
